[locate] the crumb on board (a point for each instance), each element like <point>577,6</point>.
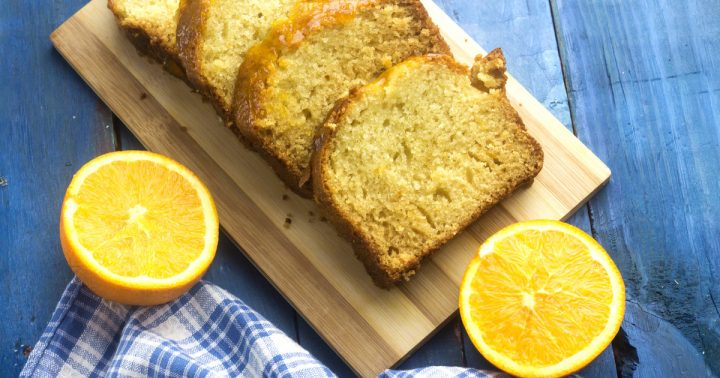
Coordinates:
<point>287,223</point>
<point>143,95</point>
<point>285,197</point>
<point>323,219</point>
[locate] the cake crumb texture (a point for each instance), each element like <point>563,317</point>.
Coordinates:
<point>213,37</point>
<point>150,25</point>
<point>289,83</point>
<point>407,162</point>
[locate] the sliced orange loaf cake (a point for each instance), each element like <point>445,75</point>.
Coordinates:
<point>290,81</point>
<point>213,37</point>
<point>150,25</point>
<point>405,163</point>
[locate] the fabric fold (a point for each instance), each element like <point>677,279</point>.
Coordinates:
<point>205,333</point>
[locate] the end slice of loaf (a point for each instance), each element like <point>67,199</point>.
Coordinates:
<point>290,81</point>
<point>150,25</point>
<point>405,163</point>
<point>213,37</point>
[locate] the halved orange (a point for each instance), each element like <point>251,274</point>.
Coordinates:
<point>138,228</point>
<point>541,299</point>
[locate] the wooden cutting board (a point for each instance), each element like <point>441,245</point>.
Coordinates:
<point>370,328</point>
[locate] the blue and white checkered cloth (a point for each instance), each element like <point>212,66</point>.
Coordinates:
<point>206,332</point>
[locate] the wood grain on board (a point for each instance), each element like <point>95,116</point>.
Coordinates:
<point>314,269</point>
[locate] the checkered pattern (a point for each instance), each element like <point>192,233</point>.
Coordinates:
<point>442,372</point>
<point>206,332</point>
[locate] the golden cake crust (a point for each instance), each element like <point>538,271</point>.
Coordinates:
<point>261,62</point>
<point>190,26</point>
<point>192,16</point>
<point>149,39</point>
<point>194,39</point>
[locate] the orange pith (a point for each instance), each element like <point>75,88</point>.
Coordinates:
<point>137,227</point>
<point>541,299</point>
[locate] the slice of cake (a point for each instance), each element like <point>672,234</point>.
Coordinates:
<point>290,81</point>
<point>405,163</point>
<point>213,37</point>
<point>150,26</point>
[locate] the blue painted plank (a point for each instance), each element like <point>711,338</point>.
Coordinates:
<point>643,342</point>
<point>645,95</point>
<point>443,349</point>
<point>50,124</point>
<point>524,30</point>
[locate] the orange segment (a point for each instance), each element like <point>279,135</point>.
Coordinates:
<point>542,298</point>
<point>137,227</point>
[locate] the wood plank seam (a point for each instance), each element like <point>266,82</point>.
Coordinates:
<point>643,73</point>
<point>571,108</point>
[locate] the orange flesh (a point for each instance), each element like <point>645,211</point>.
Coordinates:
<point>543,291</point>
<point>137,224</point>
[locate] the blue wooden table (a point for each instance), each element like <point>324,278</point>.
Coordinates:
<point>638,81</point>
